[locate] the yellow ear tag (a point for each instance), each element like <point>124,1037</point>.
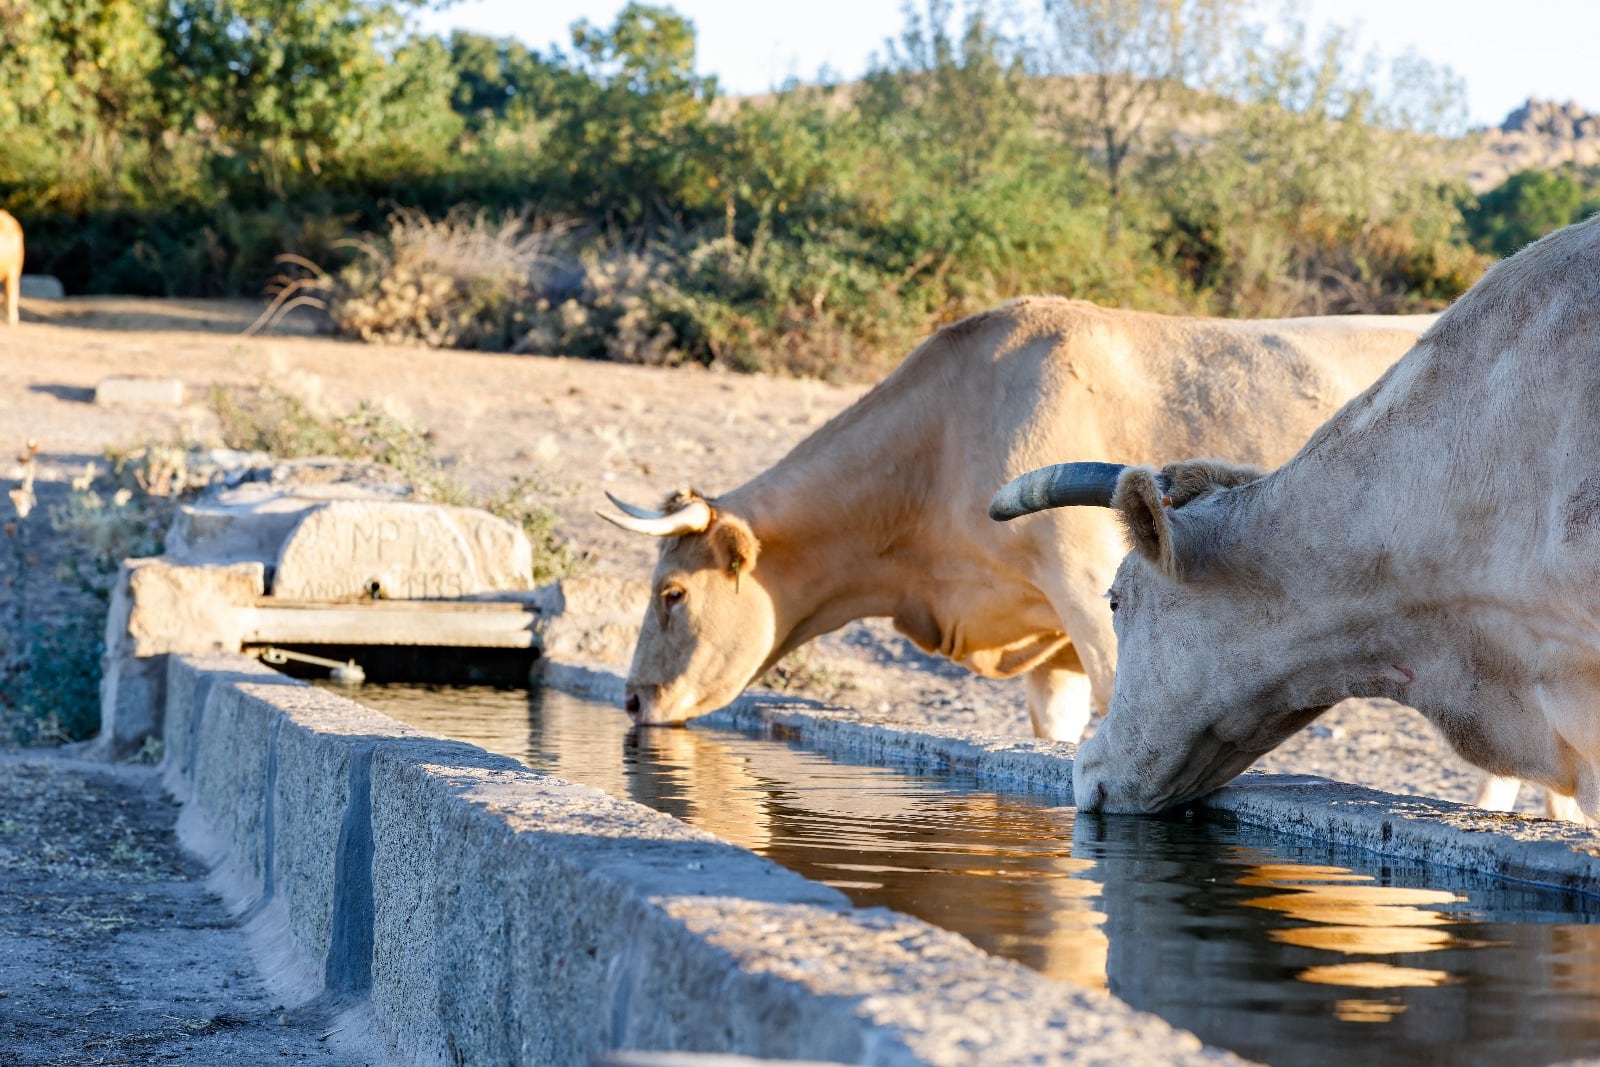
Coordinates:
<point>735,567</point>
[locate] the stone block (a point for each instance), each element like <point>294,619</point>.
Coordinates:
<point>127,392</point>
<point>591,618</point>
<point>366,549</point>
<point>226,531</point>
<point>158,608</point>
<point>42,287</point>
<point>175,608</point>
<point>476,912</point>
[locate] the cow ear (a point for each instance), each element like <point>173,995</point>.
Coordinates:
<point>1153,510</point>
<point>1197,477</point>
<point>1143,505</point>
<point>734,543</point>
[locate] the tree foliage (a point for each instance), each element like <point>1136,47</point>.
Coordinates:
<point>1526,206</point>
<point>1122,61</point>
<point>178,146</point>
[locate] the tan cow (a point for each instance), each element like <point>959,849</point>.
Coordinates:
<point>11,263</point>
<point>880,511</point>
<point>1437,542</point>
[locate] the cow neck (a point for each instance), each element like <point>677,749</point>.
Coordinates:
<point>833,543</point>
<point>1369,567</point>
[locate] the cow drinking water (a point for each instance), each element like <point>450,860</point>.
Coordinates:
<point>880,511</point>
<point>1437,542</point>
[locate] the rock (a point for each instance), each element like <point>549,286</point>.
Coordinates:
<point>1546,118</point>
<point>121,392</point>
<point>42,287</point>
<point>592,619</point>
<point>249,524</point>
<point>356,549</point>
<point>158,608</point>
<point>258,504</point>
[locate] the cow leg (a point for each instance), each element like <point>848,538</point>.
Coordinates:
<point>1561,806</point>
<point>1498,793</point>
<point>13,291</point>
<point>1059,701</point>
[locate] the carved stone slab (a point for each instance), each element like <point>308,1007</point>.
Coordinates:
<point>365,549</point>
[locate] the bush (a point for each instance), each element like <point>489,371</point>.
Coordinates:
<point>111,514</point>
<point>1525,207</point>
<point>462,281</point>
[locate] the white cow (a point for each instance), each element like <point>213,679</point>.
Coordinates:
<point>1437,542</point>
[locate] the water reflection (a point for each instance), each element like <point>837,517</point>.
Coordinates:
<point>1279,951</point>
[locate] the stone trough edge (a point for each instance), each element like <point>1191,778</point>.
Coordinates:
<point>458,908</point>
<point>1514,847</point>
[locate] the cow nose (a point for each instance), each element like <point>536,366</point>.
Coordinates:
<point>631,706</point>
<point>1097,798</point>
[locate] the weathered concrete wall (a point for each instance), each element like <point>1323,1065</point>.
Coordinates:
<point>466,910</point>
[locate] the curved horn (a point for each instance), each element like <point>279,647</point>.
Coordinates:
<point>693,517</point>
<point>1058,486</point>
<point>632,509</point>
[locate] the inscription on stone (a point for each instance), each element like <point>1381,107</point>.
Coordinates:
<point>354,550</point>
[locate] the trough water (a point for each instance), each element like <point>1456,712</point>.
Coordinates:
<point>1285,951</point>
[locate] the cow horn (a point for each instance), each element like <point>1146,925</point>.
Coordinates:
<point>1058,486</point>
<point>632,509</point>
<point>693,517</point>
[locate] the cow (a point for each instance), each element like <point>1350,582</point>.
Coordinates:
<point>1436,542</point>
<point>880,511</point>
<point>11,263</point>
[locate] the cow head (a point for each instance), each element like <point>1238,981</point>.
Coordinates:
<point>710,627</point>
<point>1214,665</point>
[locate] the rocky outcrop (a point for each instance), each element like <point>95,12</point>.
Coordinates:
<point>1539,135</point>
<point>1546,118</point>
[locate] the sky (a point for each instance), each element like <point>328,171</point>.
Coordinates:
<point>1505,52</point>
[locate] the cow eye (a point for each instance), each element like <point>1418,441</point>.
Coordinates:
<point>672,596</point>
<point>1113,599</point>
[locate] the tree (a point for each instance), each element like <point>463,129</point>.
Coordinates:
<point>952,99</point>
<point>498,78</point>
<point>301,79</point>
<point>1314,197</point>
<point>75,76</point>
<point>1522,209</point>
<point>631,118</point>
<point>1123,61</point>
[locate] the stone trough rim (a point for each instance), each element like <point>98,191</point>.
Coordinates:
<point>1517,848</point>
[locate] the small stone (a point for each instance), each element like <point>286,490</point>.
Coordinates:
<point>127,392</point>
<point>283,1019</point>
<point>42,287</point>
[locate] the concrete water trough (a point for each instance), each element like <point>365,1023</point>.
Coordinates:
<point>468,910</point>
<point>459,908</point>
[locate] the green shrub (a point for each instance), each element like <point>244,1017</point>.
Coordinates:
<point>1525,207</point>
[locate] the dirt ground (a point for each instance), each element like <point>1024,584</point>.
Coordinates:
<point>111,950</point>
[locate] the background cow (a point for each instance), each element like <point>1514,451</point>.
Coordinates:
<point>11,263</point>
<point>1437,542</point>
<point>880,512</point>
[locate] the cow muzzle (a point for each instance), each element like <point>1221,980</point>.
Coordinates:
<point>645,706</point>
